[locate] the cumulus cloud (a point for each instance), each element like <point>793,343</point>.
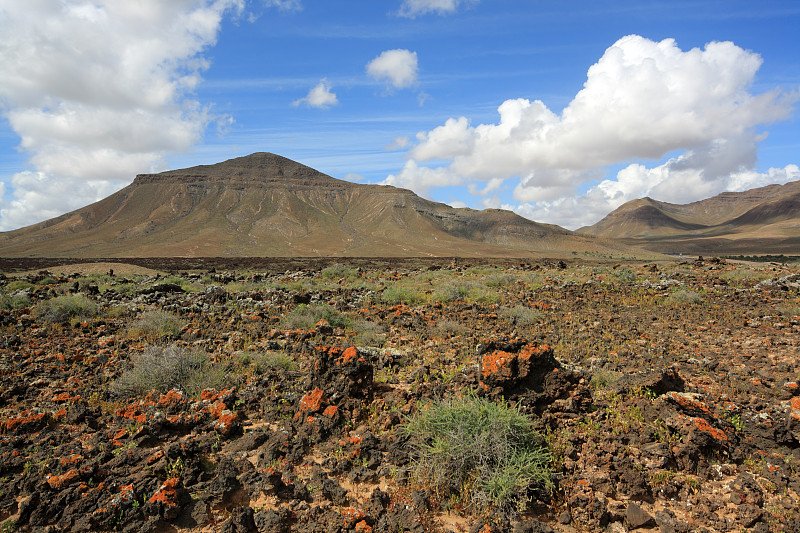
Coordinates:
<point>398,143</point>
<point>285,5</point>
<point>99,91</point>
<point>421,179</point>
<point>396,67</point>
<point>641,100</point>
<point>320,96</point>
<point>665,183</point>
<point>412,8</point>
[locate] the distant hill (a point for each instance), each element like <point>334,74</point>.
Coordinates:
<point>264,205</point>
<point>765,220</point>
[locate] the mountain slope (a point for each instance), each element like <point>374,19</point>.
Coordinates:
<point>267,205</point>
<point>762,220</point>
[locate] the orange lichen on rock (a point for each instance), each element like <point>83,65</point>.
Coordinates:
<point>13,423</point>
<point>167,493</point>
<point>351,516</point>
<point>330,411</point>
<point>494,361</point>
<point>703,425</point>
<point>530,350</point>
<point>350,354</point>
<point>56,482</point>
<point>363,527</point>
<point>71,459</point>
<point>312,402</point>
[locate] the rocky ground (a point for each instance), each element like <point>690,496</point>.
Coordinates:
<point>666,395</point>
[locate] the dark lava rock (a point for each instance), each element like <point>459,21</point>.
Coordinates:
<point>637,517</point>
<point>241,521</point>
<point>658,381</point>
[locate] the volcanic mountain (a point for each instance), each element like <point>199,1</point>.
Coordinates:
<point>264,205</point>
<point>764,220</point>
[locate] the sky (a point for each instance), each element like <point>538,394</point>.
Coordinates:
<point>559,111</point>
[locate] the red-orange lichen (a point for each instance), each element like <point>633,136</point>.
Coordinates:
<point>12,423</point>
<point>155,457</point>
<point>703,425</point>
<point>56,482</point>
<point>352,516</point>
<point>349,355</point>
<point>330,411</point>
<point>71,459</point>
<point>363,527</point>
<point>167,493</point>
<point>312,401</point>
<point>493,362</point>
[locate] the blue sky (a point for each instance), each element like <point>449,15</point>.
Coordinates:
<point>560,111</point>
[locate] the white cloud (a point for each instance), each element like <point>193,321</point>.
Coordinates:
<point>285,5</point>
<point>668,182</point>
<point>412,8</point>
<point>641,100</point>
<point>421,179</point>
<point>398,143</point>
<point>397,67</point>
<point>100,91</point>
<point>37,192</point>
<point>320,96</point>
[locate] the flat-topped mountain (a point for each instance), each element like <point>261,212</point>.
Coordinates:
<point>762,220</point>
<point>266,205</point>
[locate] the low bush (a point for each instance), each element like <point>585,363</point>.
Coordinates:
<point>306,316</point>
<point>155,324</point>
<point>519,315</point>
<point>369,333</point>
<point>163,368</point>
<point>683,297</point>
<point>258,363</point>
<point>339,271</point>
<point>474,452</point>
<point>16,300</point>
<point>399,294</point>
<point>449,328</point>
<point>66,307</point>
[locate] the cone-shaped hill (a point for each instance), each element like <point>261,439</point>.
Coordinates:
<point>765,220</point>
<point>264,205</point>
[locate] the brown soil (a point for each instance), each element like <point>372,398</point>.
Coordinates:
<point>668,394</point>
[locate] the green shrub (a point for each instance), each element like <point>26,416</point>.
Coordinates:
<point>369,333</point>
<point>155,324</point>
<point>306,316</point>
<point>338,271</point>
<point>449,328</point>
<point>603,378</point>
<point>258,363</point>
<point>626,275</point>
<point>14,301</point>
<point>684,297</point>
<point>478,453</point>
<point>451,292</point>
<point>66,307</point>
<point>398,294</point>
<point>519,315</point>
<point>163,368</point>
<point>18,284</point>
<point>502,280</point>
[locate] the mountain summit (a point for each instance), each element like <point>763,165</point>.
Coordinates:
<point>762,220</point>
<point>266,205</point>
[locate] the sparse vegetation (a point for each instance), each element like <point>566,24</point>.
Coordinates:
<point>163,368</point>
<point>155,324</point>
<point>66,307</point>
<point>307,316</point>
<point>484,454</point>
